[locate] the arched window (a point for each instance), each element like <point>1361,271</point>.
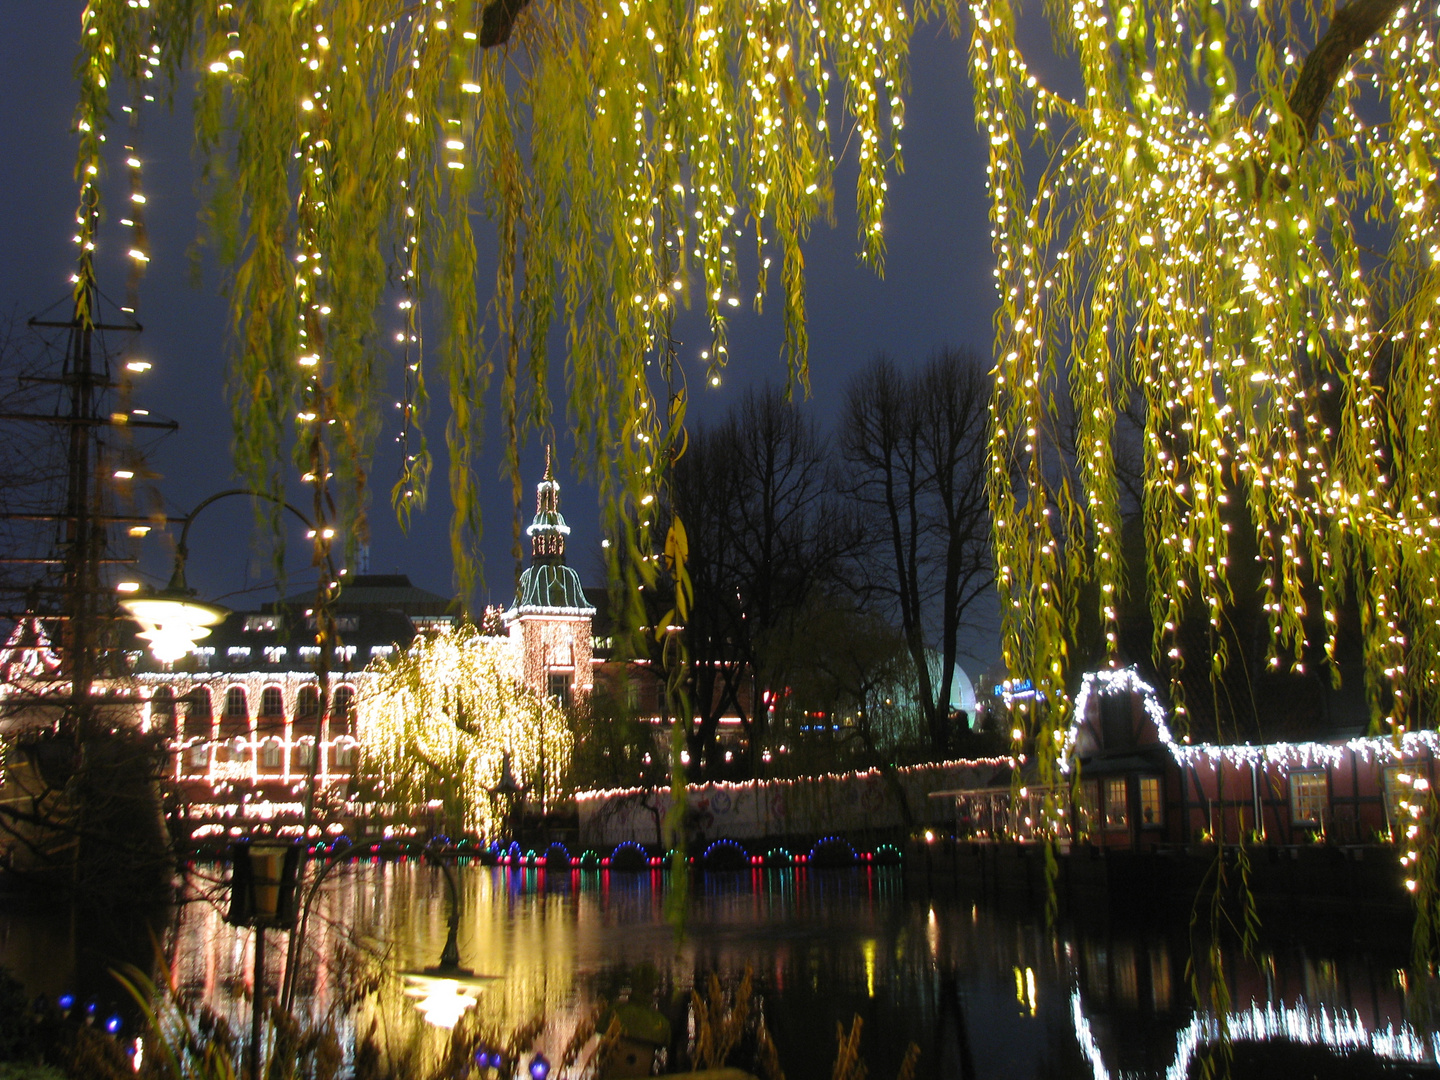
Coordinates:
<point>272,702</point>
<point>162,711</point>
<point>343,756</point>
<point>197,713</point>
<point>307,703</point>
<point>304,754</point>
<point>235,720</point>
<point>342,714</point>
<point>272,755</point>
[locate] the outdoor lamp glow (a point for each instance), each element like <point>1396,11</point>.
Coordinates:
<point>173,621</point>
<point>442,1001</point>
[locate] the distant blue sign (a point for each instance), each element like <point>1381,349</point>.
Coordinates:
<point>1015,688</point>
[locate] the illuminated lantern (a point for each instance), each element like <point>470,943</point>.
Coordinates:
<point>173,621</point>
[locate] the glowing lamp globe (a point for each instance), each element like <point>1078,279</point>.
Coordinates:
<point>172,621</point>
<point>441,1001</point>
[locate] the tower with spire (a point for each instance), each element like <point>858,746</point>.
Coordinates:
<point>551,616</point>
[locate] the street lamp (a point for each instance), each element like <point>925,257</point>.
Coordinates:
<point>173,620</point>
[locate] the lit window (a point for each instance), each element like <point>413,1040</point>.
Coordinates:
<point>304,753</point>
<point>270,755</point>
<point>1309,793</point>
<point>560,687</point>
<point>199,755</point>
<point>307,703</point>
<point>1117,814</point>
<point>345,755</point>
<point>1151,809</point>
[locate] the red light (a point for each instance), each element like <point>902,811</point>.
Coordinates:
<point>605,861</point>
<point>574,861</point>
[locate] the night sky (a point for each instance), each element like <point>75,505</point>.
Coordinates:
<point>937,291</point>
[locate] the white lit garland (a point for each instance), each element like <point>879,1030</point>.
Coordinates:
<point>1394,749</point>
<point>745,786</point>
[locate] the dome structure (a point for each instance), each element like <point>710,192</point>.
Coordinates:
<point>547,585</point>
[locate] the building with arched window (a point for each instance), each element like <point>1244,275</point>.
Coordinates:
<point>252,736</point>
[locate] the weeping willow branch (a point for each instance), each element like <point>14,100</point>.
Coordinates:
<point>1350,28</point>
<point>624,149</point>
<point>1281,342</point>
<point>439,720</point>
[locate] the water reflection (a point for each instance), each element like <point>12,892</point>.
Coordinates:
<point>986,993</point>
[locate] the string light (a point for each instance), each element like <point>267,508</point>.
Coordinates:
<point>440,717</point>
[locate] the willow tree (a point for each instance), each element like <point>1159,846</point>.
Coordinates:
<point>1227,216</point>
<point>625,152</point>
<point>442,717</point>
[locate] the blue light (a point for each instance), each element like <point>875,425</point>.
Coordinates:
<point>539,1067</point>
<point>67,1001</point>
<point>113,1025</point>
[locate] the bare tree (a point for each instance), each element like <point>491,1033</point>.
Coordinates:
<point>914,446</point>
<point>757,497</point>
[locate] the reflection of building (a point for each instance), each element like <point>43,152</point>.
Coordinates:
<point>1138,787</point>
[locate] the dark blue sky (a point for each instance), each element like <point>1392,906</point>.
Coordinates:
<point>937,290</point>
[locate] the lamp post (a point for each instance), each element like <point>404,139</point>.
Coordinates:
<point>262,894</point>
<point>174,619</point>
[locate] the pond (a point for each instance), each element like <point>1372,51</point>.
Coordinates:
<point>986,992</point>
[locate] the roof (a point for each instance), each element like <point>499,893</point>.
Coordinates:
<point>551,589</point>
<point>267,641</point>
<point>377,592</point>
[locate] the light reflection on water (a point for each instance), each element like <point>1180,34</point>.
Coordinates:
<point>986,993</point>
